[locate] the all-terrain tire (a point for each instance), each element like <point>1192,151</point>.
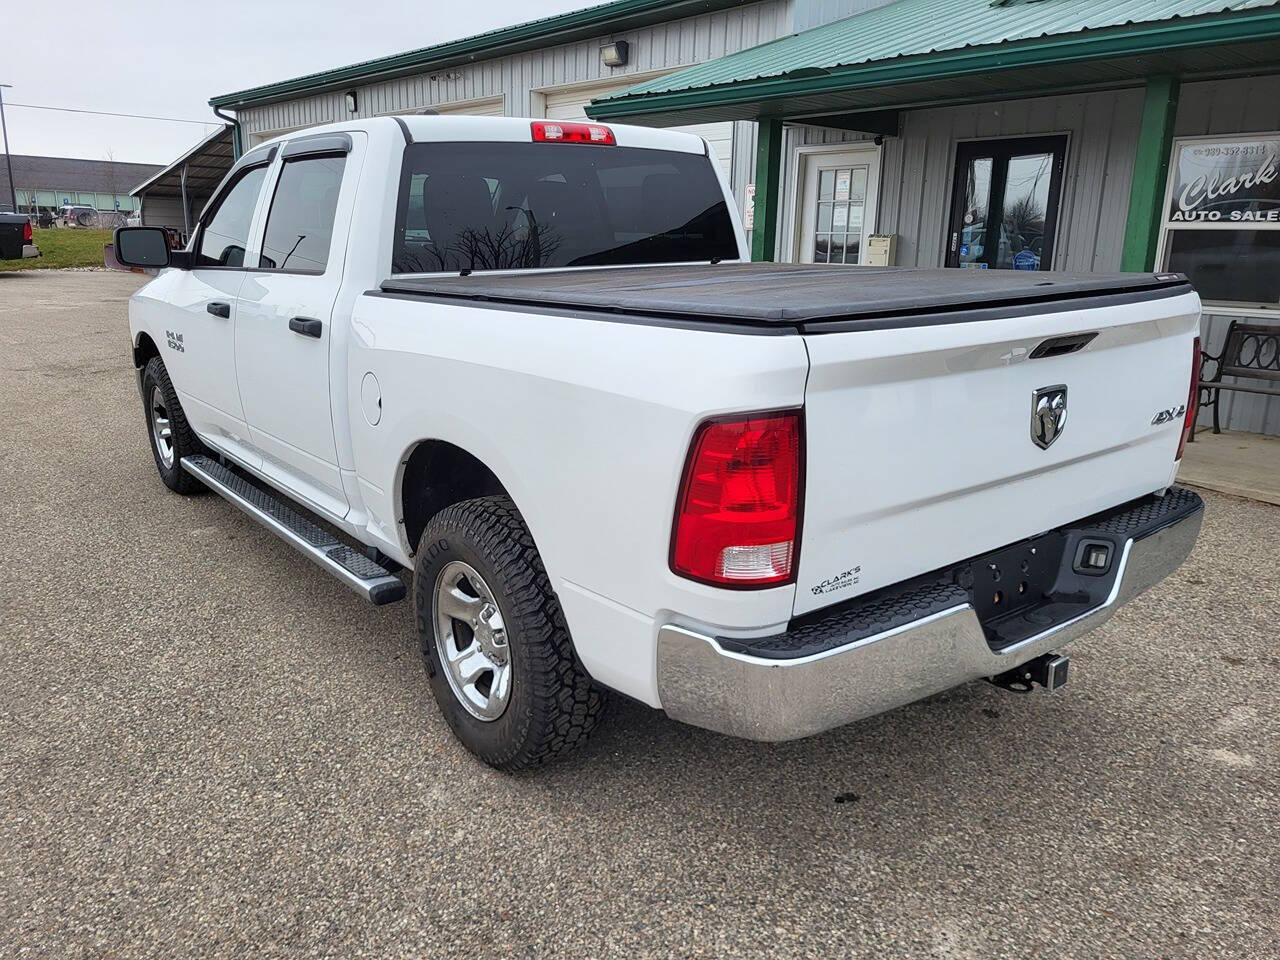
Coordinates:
<point>553,704</point>
<point>183,439</point>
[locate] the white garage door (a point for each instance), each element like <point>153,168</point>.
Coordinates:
<point>491,107</point>
<point>257,138</point>
<point>570,105</point>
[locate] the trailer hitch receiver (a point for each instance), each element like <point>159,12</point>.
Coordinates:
<point>1049,671</point>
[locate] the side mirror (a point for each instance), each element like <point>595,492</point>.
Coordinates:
<point>143,247</point>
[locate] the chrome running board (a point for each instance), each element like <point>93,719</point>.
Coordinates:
<point>366,577</point>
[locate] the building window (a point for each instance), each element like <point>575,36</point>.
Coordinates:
<point>1004,206</point>
<point>1222,219</point>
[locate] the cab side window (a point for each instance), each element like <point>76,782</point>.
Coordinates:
<point>300,222</point>
<point>226,233</point>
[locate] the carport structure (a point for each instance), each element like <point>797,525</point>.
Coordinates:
<point>174,196</point>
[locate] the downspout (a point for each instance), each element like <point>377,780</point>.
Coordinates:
<point>237,145</point>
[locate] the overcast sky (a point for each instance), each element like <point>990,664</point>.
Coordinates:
<point>168,59</point>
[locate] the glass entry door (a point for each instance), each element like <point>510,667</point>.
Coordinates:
<point>838,204</point>
<point>1005,203</point>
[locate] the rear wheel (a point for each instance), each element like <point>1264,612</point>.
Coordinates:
<point>494,641</point>
<point>171,436</point>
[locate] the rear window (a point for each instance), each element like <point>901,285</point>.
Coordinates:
<point>505,206</point>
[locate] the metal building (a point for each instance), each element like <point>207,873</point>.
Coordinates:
<point>44,185</point>
<point>1097,135</point>
<point>547,68</point>
<point>984,134</point>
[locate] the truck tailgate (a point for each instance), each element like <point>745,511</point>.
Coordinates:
<point>920,449</point>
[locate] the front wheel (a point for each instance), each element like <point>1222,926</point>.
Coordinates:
<point>171,436</point>
<point>494,641</point>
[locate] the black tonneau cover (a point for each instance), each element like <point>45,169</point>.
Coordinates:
<point>784,297</point>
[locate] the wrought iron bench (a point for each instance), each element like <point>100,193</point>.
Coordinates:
<point>1251,351</point>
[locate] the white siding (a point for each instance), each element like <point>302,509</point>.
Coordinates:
<point>1102,130</point>
<point>491,107</point>
<point>570,103</point>
<point>166,212</point>
<point>523,79</point>
<point>814,13</point>
<point>917,170</point>
<point>918,167</point>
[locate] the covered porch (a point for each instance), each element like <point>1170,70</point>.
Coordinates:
<point>1015,135</point>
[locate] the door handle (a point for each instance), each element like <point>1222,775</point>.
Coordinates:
<point>306,326</point>
<point>222,310</point>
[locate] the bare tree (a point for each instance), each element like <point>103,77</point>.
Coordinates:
<point>503,248</point>
<point>1024,221</point>
<point>113,184</point>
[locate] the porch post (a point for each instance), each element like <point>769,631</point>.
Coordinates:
<point>186,207</point>
<point>1150,169</point>
<point>764,230</point>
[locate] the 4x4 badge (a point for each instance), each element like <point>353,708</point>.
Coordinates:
<point>1048,414</point>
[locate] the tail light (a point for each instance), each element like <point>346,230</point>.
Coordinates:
<point>547,131</point>
<point>1193,399</point>
<point>738,513</point>
<point>26,232</point>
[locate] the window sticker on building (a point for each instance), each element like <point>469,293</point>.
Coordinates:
<point>1227,182</point>
<point>1222,221</point>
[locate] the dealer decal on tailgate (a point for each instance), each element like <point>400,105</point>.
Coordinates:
<point>839,582</point>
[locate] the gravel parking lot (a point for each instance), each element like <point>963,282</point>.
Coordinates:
<point>209,748</point>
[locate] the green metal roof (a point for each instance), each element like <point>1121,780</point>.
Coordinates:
<point>916,40</point>
<point>576,25</point>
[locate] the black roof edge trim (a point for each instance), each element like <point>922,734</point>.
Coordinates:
<point>404,128</point>
<point>672,321</point>
<point>320,143</point>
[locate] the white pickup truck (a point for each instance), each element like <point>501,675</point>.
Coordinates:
<point>531,363</point>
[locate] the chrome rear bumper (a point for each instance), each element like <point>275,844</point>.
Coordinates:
<point>702,683</point>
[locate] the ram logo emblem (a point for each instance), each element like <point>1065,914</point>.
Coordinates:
<point>1048,415</point>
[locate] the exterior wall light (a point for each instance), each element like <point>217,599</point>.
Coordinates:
<point>614,54</point>
<point>352,103</point>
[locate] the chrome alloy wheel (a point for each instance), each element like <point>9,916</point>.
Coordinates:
<point>471,639</point>
<point>161,428</point>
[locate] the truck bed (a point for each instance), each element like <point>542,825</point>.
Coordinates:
<point>794,298</point>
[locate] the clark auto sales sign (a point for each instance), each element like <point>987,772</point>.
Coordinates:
<point>1235,181</point>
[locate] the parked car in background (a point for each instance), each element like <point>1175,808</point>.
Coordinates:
<point>15,237</point>
<point>79,216</point>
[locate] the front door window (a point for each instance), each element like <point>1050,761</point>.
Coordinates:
<point>1005,203</point>
<point>842,203</point>
<point>839,198</point>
